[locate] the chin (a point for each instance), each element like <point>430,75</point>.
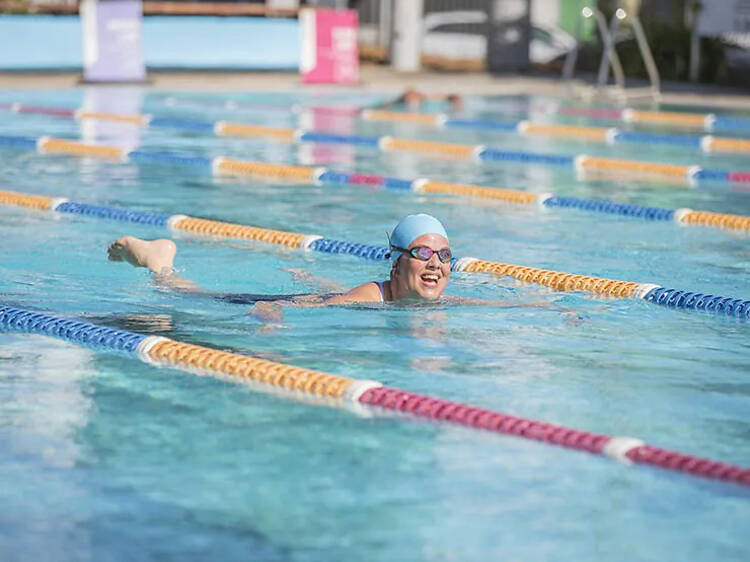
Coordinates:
<point>430,293</point>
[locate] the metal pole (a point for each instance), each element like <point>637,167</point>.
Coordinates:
<point>572,57</point>
<point>692,15</point>
<point>648,59</point>
<point>695,55</point>
<point>610,54</point>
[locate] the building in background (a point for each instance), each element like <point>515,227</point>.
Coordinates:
<point>706,40</point>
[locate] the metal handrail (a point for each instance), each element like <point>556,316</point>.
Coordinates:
<point>610,58</point>
<point>647,56</point>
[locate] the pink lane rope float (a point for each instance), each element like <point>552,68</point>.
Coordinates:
<point>624,449</point>
<point>335,390</point>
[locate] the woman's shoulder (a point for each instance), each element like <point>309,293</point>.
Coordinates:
<point>371,291</point>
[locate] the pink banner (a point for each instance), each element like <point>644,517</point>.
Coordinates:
<point>330,54</point>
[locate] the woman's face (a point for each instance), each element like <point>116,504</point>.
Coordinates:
<point>412,277</point>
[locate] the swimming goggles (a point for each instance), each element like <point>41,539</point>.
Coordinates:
<point>424,253</point>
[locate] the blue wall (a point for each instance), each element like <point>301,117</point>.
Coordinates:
<point>54,42</point>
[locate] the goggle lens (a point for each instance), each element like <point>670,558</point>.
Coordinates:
<point>424,253</point>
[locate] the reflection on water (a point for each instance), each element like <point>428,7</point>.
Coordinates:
<point>102,448</point>
<point>42,394</point>
<point>142,323</point>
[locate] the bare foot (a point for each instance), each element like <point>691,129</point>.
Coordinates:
<point>157,255</point>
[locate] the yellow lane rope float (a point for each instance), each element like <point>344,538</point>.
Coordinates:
<point>320,176</point>
<point>365,396</point>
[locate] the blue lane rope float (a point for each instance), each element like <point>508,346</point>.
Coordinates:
<point>674,298</point>
<point>322,137</point>
<point>501,155</point>
<point>561,281</point>
<point>366,251</point>
<point>114,213</point>
<point>186,124</point>
<point>608,135</point>
<point>20,320</point>
<point>731,123</point>
<point>163,157</point>
<point>707,121</point>
<point>624,209</point>
<point>356,394</point>
<point>581,162</point>
<point>17,141</point>
<point>323,176</point>
<point>652,138</point>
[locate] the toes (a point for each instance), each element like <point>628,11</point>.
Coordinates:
<point>115,251</point>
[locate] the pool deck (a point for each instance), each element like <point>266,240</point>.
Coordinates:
<point>383,79</point>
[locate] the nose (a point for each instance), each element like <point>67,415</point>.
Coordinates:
<point>434,261</point>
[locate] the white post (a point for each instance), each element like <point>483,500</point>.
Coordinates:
<point>384,24</point>
<point>407,35</point>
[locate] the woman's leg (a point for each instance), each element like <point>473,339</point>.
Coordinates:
<point>156,255</point>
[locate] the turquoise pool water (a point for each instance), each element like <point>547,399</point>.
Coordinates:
<point>107,458</point>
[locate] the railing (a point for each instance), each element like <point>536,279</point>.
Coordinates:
<point>610,59</point>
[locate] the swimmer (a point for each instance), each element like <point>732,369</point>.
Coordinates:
<point>420,269</point>
<point>414,100</point>
<point>419,251</point>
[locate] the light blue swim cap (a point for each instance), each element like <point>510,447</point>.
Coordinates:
<point>412,227</point>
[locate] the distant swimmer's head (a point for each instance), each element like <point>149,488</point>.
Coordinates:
<point>421,256</point>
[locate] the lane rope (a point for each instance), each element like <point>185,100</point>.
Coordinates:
<point>291,381</point>
<point>221,165</point>
<point>654,170</point>
<point>559,281</point>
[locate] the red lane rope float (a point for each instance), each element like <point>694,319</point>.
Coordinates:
<point>479,418</point>
<point>365,179</point>
<point>739,177</point>
<point>337,390</point>
<point>598,113</point>
<point>56,111</point>
<point>672,460</point>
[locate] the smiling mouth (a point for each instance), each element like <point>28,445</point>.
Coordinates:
<point>430,279</point>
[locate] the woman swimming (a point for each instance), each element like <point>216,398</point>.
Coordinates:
<point>420,269</point>
<point>420,258</point>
